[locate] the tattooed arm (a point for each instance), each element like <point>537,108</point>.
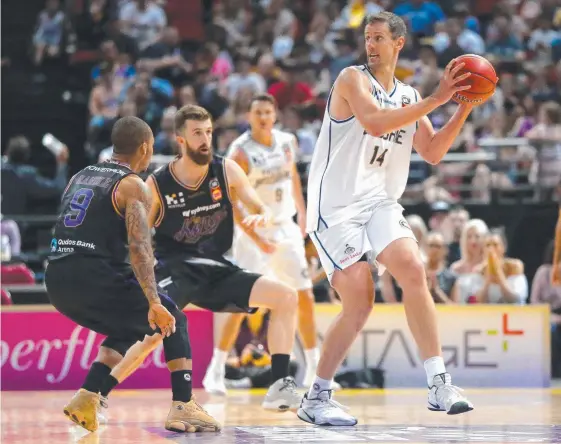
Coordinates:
<point>133,196</point>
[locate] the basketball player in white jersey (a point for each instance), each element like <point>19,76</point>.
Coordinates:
<point>267,156</point>
<point>358,172</point>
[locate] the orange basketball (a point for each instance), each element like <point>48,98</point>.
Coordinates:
<point>483,79</point>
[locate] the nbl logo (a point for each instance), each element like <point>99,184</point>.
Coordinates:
<point>405,101</point>
<point>215,190</point>
<point>175,200</point>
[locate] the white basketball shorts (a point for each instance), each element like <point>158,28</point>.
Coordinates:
<point>367,233</point>
<point>287,264</point>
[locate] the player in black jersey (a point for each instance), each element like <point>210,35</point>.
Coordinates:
<point>193,204</point>
<point>89,279</point>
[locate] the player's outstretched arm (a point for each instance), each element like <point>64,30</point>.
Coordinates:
<point>433,145</point>
<point>356,90</point>
<point>242,191</point>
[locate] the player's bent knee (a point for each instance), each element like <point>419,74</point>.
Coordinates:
<point>413,274</point>
<point>115,347</point>
<point>274,295</point>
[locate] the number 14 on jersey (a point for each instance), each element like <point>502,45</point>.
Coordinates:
<point>378,157</point>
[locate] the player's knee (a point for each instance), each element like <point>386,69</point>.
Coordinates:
<point>288,298</point>
<point>415,278</point>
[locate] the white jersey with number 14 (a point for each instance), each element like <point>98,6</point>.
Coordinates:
<point>352,170</point>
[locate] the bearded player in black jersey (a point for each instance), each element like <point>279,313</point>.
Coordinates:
<point>194,201</point>
<point>89,280</point>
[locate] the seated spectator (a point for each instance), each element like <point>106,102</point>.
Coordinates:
<point>143,20</point>
<point>441,281</point>
<point>104,98</point>
<point>458,217</point>
<point>122,70</point>
<point>10,230</point>
<point>244,78</point>
<point>49,31</point>
<point>186,96</point>
<point>293,123</point>
<point>505,45</point>
<point>502,279</point>
<point>22,183</point>
<point>468,41</point>
<point>166,59</point>
<point>472,244</point>
<point>164,142</point>
<point>289,90</point>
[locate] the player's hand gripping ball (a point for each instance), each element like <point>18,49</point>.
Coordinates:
<point>483,80</point>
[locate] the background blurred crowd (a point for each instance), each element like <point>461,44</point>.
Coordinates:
<point>148,58</point>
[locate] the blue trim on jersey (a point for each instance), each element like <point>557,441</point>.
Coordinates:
<point>416,101</point>
<point>329,113</point>
<point>374,77</point>
<point>320,218</point>
<point>326,253</point>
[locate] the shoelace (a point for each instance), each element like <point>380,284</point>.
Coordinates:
<point>288,384</point>
<point>331,401</point>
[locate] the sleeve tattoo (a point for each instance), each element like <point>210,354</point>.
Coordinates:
<point>140,242</point>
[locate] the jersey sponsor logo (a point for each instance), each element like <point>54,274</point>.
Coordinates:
<point>287,152</point>
<point>215,190</point>
<point>175,200</point>
<point>404,224</point>
<point>202,208</point>
<point>350,254</point>
<point>106,170</point>
<point>196,227</point>
<point>273,175</point>
<point>394,136</point>
<point>67,245</point>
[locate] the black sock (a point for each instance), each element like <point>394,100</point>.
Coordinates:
<point>279,366</point>
<point>98,372</point>
<point>107,385</point>
<point>181,385</point>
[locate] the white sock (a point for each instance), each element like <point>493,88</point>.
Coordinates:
<point>319,385</point>
<point>312,357</point>
<point>219,358</point>
<point>434,366</point>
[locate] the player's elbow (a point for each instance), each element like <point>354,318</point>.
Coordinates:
<point>432,159</point>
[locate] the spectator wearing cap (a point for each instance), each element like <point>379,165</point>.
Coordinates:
<point>421,15</point>
<point>22,183</point>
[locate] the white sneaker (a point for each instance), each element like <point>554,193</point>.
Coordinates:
<point>214,381</point>
<point>445,397</point>
<point>282,395</point>
<point>324,411</point>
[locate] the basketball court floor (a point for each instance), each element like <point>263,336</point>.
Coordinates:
<point>393,416</point>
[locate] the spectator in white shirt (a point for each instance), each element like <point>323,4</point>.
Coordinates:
<point>143,20</point>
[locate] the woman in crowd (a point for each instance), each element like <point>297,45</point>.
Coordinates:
<point>472,256</point>
<point>502,278</point>
<point>442,281</point>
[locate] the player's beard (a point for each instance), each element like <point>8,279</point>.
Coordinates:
<point>200,158</point>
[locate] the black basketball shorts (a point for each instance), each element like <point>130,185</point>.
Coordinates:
<point>214,284</point>
<point>101,297</point>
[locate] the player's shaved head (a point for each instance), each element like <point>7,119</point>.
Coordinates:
<point>128,135</point>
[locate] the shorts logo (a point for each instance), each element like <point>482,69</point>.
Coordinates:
<point>350,253</point>
<point>349,249</point>
<point>175,200</point>
<point>404,224</point>
<point>215,190</point>
<point>305,273</point>
<point>405,101</point>
<point>187,377</point>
